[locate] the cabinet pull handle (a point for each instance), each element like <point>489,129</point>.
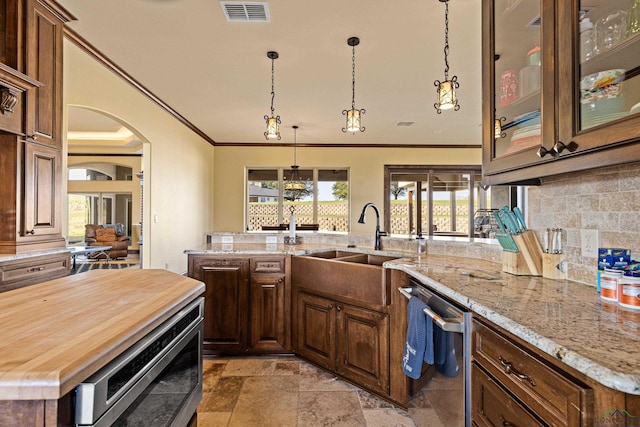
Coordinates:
<point>560,146</point>
<point>32,232</point>
<point>542,151</point>
<point>34,269</point>
<point>330,306</point>
<point>509,369</point>
<point>506,423</point>
<point>339,307</point>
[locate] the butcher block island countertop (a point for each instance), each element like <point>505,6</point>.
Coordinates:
<point>56,334</point>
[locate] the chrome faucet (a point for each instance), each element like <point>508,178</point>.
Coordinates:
<point>379,233</point>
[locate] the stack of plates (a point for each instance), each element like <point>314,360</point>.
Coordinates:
<point>599,120</point>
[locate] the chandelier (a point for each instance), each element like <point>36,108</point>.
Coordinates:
<point>354,116</point>
<point>447,89</point>
<point>273,122</point>
<point>294,185</point>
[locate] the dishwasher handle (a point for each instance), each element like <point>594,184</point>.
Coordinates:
<point>450,325</point>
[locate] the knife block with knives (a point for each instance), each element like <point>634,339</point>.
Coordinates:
<point>527,260</point>
<point>553,257</point>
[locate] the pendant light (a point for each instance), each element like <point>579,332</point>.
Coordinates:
<point>273,122</point>
<point>447,89</point>
<point>354,116</point>
<point>497,131</point>
<point>294,185</point>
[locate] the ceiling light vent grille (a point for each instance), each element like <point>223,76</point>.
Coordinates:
<point>242,11</point>
<point>405,123</point>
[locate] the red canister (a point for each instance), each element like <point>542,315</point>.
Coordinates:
<point>609,284</point>
<point>629,291</point>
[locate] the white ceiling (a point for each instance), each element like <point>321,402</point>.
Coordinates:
<point>217,75</point>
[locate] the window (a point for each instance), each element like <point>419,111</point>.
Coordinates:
<point>432,200</point>
<point>323,203</point>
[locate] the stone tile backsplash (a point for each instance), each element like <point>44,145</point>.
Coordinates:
<point>606,199</point>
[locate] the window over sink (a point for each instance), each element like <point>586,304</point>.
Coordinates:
<point>323,204</point>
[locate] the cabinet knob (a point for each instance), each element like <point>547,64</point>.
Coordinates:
<point>506,423</point>
<point>560,146</point>
<point>338,307</point>
<point>330,306</point>
<point>542,151</point>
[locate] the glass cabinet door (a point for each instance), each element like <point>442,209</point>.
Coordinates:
<point>514,76</point>
<point>518,75</point>
<point>604,48</point>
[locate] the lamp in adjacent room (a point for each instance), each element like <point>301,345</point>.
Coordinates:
<point>446,89</point>
<point>354,115</point>
<point>273,122</point>
<point>293,184</point>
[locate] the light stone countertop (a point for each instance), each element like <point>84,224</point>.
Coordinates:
<point>564,319</point>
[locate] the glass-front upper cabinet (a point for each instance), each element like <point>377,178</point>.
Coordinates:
<point>515,71</point>
<point>600,56</point>
<point>561,87</point>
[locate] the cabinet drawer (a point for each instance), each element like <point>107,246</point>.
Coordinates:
<point>493,406</point>
<point>551,394</point>
<point>27,271</point>
<point>267,264</point>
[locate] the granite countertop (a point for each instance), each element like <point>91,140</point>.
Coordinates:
<point>56,334</point>
<point>564,319</point>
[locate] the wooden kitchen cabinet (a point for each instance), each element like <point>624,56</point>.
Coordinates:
<point>349,340</point>
<point>511,382</point>
<point>546,129</point>
<point>246,303</point>
<point>25,271</point>
<point>31,141</point>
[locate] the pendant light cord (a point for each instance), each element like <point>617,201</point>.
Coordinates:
<point>353,77</point>
<point>273,93</point>
<point>446,40</point>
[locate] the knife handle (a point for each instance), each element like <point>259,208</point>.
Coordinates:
<point>518,212</point>
<point>496,214</point>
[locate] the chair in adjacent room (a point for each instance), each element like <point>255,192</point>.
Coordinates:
<point>108,235</point>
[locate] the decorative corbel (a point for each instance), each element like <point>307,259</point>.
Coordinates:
<point>8,100</point>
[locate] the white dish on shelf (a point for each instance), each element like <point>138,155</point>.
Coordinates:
<point>635,109</point>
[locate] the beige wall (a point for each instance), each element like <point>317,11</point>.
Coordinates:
<point>177,163</point>
<point>366,166</point>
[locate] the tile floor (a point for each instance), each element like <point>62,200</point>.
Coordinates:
<point>287,391</point>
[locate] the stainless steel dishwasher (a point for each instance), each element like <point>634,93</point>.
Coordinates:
<point>449,389</point>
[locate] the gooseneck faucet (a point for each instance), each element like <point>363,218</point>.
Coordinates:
<point>378,232</point>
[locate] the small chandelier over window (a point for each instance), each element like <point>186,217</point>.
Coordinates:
<point>294,185</point>
<point>354,116</point>
<point>447,89</point>
<point>273,122</point>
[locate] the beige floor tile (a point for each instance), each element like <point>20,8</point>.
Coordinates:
<point>330,408</point>
<point>262,366</point>
<point>369,401</point>
<point>316,379</point>
<point>267,401</point>
<point>387,418</point>
<point>213,419</point>
<point>212,371</point>
<point>224,396</point>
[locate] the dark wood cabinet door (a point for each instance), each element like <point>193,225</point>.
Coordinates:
<point>315,329</point>
<point>492,406</point>
<point>363,346</point>
<point>42,201</point>
<point>267,313</point>
<point>44,63</point>
<point>225,302</point>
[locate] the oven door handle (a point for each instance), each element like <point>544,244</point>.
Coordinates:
<point>450,325</point>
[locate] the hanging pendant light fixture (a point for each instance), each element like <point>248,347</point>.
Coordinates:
<point>273,122</point>
<point>447,89</point>
<point>294,185</point>
<point>354,116</point>
<point>497,132</point>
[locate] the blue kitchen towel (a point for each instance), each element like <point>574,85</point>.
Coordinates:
<point>445,353</point>
<point>419,345</point>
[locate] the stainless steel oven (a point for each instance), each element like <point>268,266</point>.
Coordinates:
<point>448,381</point>
<point>156,382</point>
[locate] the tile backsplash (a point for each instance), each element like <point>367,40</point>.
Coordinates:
<point>606,199</point>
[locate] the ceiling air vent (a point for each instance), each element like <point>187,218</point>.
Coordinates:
<point>244,11</point>
<point>405,123</point>
<point>535,22</point>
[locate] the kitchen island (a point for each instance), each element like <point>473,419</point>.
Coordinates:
<point>56,334</point>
